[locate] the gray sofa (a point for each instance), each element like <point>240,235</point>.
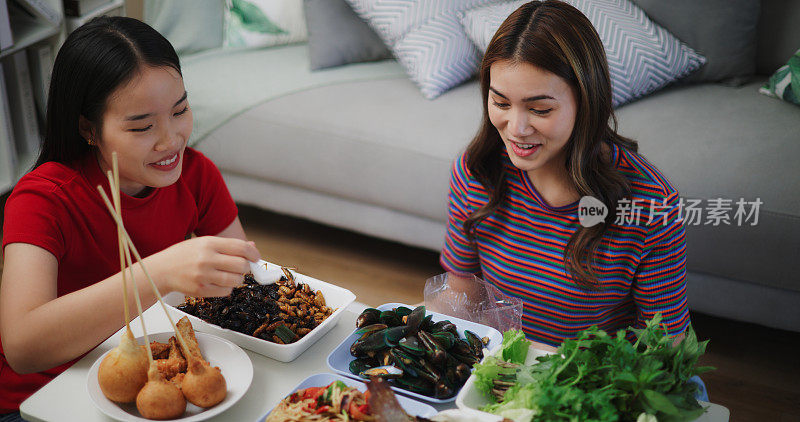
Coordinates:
<point>358,147</point>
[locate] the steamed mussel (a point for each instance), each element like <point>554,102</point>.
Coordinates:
<point>410,350</point>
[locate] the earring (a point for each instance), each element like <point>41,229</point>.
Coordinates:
<point>90,142</point>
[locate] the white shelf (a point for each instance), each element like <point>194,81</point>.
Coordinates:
<point>28,32</point>
<point>73,22</point>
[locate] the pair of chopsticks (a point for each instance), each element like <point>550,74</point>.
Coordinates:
<point>126,246</point>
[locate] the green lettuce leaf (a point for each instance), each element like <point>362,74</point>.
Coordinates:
<point>515,346</point>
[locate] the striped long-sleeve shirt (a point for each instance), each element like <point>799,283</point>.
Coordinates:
<point>641,260</point>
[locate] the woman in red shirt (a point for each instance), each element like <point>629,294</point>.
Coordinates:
<point>116,87</point>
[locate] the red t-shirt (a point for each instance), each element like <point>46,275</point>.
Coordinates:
<point>57,207</point>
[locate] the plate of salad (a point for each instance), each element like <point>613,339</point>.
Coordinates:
<point>596,376</point>
<point>331,397</point>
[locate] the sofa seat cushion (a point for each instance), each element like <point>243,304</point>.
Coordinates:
<point>378,142</point>
<point>714,141</point>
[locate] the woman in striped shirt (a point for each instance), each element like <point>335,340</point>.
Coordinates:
<point>547,140</point>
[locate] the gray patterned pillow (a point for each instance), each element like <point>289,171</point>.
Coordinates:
<point>482,22</point>
<point>337,36</point>
<point>642,56</point>
<point>426,37</point>
<point>724,31</point>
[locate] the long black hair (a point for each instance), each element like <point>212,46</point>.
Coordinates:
<point>95,60</point>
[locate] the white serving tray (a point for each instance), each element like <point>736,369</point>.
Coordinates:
<point>340,358</point>
<point>336,298</point>
<point>470,399</point>
<point>412,407</point>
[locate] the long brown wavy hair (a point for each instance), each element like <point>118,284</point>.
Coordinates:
<point>555,36</point>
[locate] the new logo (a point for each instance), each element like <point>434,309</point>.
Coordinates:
<point>591,211</point>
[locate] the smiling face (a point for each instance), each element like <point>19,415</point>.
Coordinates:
<point>147,122</point>
<point>534,112</point>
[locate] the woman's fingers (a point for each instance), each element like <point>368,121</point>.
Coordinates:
<point>236,247</point>
<point>230,264</point>
<point>227,279</point>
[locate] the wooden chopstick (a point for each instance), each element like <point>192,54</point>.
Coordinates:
<point>113,183</point>
<point>133,249</point>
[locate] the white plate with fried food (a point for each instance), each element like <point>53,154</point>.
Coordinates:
<point>230,358</point>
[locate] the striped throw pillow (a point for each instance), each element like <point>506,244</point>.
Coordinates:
<point>642,56</point>
<point>426,37</point>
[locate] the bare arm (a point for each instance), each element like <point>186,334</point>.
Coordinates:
<point>458,296</point>
<point>40,330</point>
<point>234,230</point>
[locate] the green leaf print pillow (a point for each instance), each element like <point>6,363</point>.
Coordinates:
<point>785,82</point>
<point>264,23</point>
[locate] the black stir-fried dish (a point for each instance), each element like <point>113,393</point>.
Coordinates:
<point>282,312</point>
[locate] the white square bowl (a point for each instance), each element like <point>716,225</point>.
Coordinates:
<point>336,298</point>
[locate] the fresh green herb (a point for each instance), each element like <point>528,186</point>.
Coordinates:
<point>599,377</point>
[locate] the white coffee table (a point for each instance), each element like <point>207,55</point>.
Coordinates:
<point>66,397</point>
